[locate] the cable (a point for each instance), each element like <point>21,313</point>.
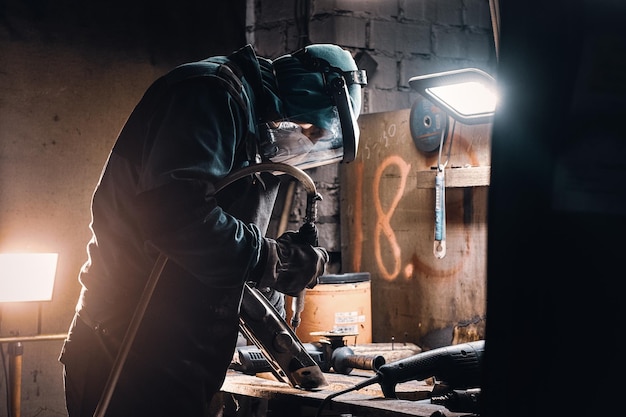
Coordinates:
<point>357,387</point>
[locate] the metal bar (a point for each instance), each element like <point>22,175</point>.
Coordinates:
<point>36,338</point>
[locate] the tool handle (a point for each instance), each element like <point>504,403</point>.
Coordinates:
<point>459,366</point>
<point>308,234</point>
<point>344,360</point>
<point>439,245</point>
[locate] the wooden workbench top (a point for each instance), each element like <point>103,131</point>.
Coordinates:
<point>367,402</point>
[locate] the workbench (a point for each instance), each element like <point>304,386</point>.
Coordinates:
<point>263,395</point>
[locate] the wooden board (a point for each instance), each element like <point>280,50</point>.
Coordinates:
<point>387,227</point>
<point>368,401</point>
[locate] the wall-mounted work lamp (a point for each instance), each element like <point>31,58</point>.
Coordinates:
<point>24,277</point>
<point>468,96</point>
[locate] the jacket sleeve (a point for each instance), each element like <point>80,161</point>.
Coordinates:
<point>193,140</point>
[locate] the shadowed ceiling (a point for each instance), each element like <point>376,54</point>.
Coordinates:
<point>171,30</point>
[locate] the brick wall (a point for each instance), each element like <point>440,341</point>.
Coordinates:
<point>397,39</point>
<point>393,40</point>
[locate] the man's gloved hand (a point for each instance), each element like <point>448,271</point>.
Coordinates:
<point>292,264</point>
<point>276,299</point>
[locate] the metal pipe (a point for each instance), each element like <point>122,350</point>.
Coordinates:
<point>310,214</point>
<point>297,173</point>
<point>16,351</point>
<point>129,337</point>
<point>36,338</point>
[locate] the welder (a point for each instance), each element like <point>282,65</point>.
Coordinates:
<point>157,196</point>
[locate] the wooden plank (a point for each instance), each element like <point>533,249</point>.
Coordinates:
<point>456,177</point>
<point>387,225</point>
<point>368,401</point>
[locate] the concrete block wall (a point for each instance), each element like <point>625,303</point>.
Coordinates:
<point>393,40</point>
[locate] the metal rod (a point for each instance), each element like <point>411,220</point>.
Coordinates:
<point>311,208</point>
<point>16,351</point>
<point>129,337</point>
<point>36,338</point>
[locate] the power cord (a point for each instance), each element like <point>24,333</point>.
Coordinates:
<point>356,387</point>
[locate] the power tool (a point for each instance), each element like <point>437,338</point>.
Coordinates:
<point>458,367</point>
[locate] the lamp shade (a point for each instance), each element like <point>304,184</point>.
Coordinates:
<point>468,95</point>
<point>27,276</point>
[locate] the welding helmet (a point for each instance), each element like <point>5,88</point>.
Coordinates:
<point>320,91</point>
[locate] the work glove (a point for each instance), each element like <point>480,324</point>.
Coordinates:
<point>291,264</point>
<point>276,299</point>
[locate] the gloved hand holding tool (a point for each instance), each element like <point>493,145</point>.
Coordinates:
<point>292,264</point>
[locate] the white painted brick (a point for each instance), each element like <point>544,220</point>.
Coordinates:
<point>477,14</point>
<point>293,38</point>
<point>329,236</point>
<point>428,65</point>
<point>415,66</point>
<point>382,35</point>
<point>386,75</point>
<point>420,10</point>
<point>327,175</point>
<point>344,31</point>
<point>374,7</point>
<point>449,12</point>
<point>269,43</point>
<point>414,39</point>
<point>403,37</point>
<point>383,100</point>
<point>449,42</point>
<point>275,11</point>
<point>480,46</point>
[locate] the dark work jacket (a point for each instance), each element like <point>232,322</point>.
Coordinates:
<point>156,194</point>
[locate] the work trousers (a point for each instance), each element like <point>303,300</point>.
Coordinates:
<point>177,362</point>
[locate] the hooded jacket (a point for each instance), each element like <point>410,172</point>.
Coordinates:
<point>156,194</point>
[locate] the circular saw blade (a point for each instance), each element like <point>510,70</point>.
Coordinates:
<point>427,122</point>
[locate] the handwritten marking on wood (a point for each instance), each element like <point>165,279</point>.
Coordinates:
<point>383,223</point>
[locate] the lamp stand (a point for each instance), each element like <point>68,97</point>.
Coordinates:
<point>16,350</point>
